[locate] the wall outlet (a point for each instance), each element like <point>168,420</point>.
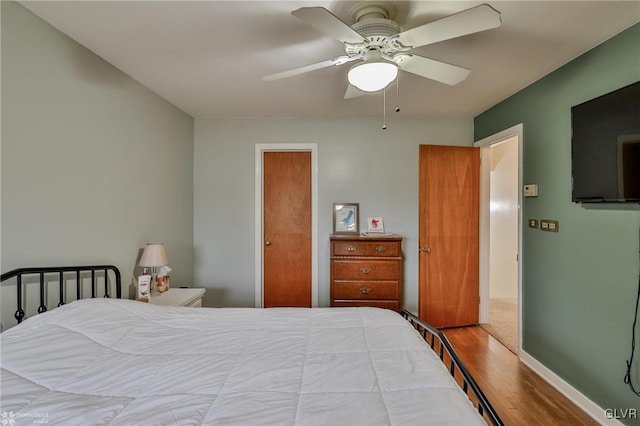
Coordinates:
<point>531,190</point>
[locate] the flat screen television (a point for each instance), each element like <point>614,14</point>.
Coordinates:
<point>605,148</point>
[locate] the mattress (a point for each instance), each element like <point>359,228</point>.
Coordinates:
<point>121,362</point>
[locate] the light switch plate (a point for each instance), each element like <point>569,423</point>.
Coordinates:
<point>549,225</point>
<point>531,190</point>
<point>533,223</point>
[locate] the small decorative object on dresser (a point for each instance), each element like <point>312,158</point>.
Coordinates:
<point>366,270</point>
<point>345,218</point>
<point>375,225</point>
<point>189,297</point>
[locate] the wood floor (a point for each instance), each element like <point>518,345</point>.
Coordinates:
<point>519,395</point>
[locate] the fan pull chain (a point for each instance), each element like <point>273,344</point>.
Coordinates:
<point>384,109</point>
<point>398,93</point>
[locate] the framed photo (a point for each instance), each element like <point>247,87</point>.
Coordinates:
<point>375,225</point>
<point>345,218</point>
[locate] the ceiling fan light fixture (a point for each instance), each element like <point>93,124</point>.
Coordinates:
<point>371,76</point>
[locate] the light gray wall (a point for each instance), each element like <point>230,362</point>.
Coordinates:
<point>357,162</point>
<point>93,164</point>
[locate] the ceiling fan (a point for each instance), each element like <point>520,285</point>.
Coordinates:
<point>381,49</point>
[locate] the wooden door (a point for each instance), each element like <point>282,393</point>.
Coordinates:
<point>287,229</point>
<point>448,265</point>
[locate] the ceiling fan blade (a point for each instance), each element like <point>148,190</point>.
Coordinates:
<point>328,23</point>
<point>479,18</point>
<point>353,92</point>
<point>307,68</point>
<point>432,69</point>
<point>338,60</point>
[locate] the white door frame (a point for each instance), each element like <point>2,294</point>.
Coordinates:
<point>259,244</point>
<point>485,169</point>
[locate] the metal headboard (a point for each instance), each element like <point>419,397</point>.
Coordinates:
<point>441,345</point>
<point>106,271</point>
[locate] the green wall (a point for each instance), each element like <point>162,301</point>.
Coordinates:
<point>580,284</point>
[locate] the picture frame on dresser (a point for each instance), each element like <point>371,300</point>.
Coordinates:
<point>346,218</point>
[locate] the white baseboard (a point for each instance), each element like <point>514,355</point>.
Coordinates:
<point>575,396</point>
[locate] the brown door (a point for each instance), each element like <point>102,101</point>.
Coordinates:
<point>449,235</point>
<point>287,229</point>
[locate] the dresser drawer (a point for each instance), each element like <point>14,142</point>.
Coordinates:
<point>365,269</point>
<point>388,304</point>
<point>366,248</point>
<point>365,290</point>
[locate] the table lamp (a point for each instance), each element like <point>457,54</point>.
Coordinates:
<point>154,256</point>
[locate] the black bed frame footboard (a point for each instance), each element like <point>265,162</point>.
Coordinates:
<point>441,345</point>
<point>62,273</point>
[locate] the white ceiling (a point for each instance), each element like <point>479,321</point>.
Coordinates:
<point>208,57</point>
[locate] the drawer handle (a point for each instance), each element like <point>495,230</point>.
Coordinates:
<point>350,248</point>
<point>365,290</point>
<point>381,248</point>
<point>365,270</point>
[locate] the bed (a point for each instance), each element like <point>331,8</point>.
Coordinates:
<point>107,360</point>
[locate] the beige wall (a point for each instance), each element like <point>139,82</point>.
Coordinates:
<point>357,162</point>
<point>93,164</point>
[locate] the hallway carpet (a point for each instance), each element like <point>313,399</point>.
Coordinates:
<point>503,322</point>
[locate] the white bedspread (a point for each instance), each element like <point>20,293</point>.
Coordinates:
<point>121,362</point>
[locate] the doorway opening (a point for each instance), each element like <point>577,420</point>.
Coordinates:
<point>500,236</point>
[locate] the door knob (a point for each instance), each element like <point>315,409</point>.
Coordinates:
<point>267,243</point>
<point>424,249</point>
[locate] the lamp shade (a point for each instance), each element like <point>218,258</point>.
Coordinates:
<point>153,255</point>
<point>371,76</point>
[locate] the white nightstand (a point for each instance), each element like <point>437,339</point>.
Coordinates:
<point>190,297</point>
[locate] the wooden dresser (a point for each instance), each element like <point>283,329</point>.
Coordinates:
<point>366,271</point>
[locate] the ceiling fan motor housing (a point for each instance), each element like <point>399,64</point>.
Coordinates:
<point>377,27</point>
<point>372,21</point>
